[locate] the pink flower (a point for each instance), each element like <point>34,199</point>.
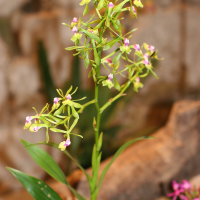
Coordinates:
<point>110,77</point>
<point>126,42</point>
<point>136,47</point>
<point>69,97</point>
<point>75,29</point>
<point>186,185</point>
<point>28,119</point>
<point>75,20</point>
<point>56,100</point>
<point>110,5</point>
<point>146,62</point>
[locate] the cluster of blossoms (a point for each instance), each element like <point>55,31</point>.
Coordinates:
<point>52,119</point>
<point>184,191</point>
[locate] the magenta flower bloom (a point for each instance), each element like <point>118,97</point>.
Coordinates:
<point>67,143</point>
<point>126,42</point>
<point>56,100</point>
<point>75,20</point>
<point>69,97</point>
<point>151,48</point>
<point>136,47</point>
<point>110,5</point>
<point>183,197</point>
<point>110,77</point>
<point>36,129</point>
<point>28,119</point>
<point>108,60</point>
<point>185,185</point>
<point>75,29</point>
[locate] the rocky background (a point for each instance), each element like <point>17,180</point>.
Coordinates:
<point>172,26</point>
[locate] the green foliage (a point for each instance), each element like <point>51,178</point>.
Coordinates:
<point>67,112</point>
<point>37,188</point>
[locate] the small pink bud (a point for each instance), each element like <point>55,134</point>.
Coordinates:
<point>67,143</point>
<point>69,97</point>
<point>75,20</point>
<point>110,5</point>
<point>126,42</point>
<point>136,47</point>
<point>28,119</point>
<point>108,60</point>
<point>137,79</point>
<point>75,29</point>
<point>56,100</point>
<point>110,77</point>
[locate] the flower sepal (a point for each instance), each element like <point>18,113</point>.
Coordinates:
<point>83,2</point>
<point>138,3</point>
<point>76,36</point>
<point>137,84</point>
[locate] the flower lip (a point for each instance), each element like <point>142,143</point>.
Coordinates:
<point>75,29</point>
<point>110,77</point>
<point>136,47</point>
<point>56,100</point>
<point>151,48</point>
<point>28,119</point>
<point>36,129</point>
<point>146,56</point>
<point>67,143</point>
<point>146,62</point>
<point>186,185</point>
<point>126,42</point>
<point>75,20</point>
<point>110,5</point>
<point>68,97</point>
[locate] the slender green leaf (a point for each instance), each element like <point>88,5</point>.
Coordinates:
<point>119,151</point>
<point>154,74</point>
<point>116,85</point>
<point>59,110</point>
<point>90,35</point>
<point>74,47</point>
<point>86,9</point>
<point>119,7</point>
<point>55,145</point>
<point>37,188</point>
<point>101,4</point>
<point>46,162</point>
<point>100,141</point>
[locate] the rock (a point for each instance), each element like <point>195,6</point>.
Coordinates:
<point>195,181</point>
<point>145,169</point>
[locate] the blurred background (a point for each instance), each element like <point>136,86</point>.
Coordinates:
<point>33,63</point>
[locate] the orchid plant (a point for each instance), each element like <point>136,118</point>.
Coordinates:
<point>184,191</point>
<point>91,44</point>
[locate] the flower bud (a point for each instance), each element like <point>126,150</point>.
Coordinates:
<point>110,5</point>
<point>137,79</point>
<point>108,60</point>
